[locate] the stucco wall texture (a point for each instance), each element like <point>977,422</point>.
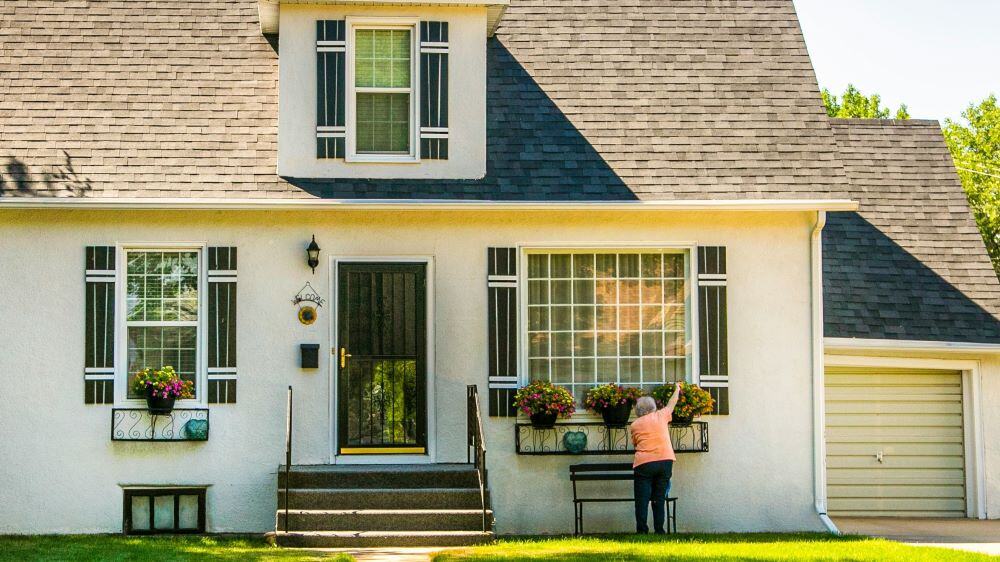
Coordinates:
<point>63,474</point>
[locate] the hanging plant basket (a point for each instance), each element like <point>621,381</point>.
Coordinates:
<point>681,420</point>
<point>617,416</point>
<point>159,406</point>
<point>543,420</point>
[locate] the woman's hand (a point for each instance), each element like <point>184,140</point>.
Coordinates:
<point>673,399</point>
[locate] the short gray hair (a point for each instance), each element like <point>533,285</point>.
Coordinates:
<point>645,405</point>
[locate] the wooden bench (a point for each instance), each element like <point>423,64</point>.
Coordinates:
<point>602,472</point>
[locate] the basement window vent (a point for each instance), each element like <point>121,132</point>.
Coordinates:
<point>150,511</point>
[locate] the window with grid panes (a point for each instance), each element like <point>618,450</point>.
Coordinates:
<point>161,312</point>
<point>607,316</point>
<point>383,90</point>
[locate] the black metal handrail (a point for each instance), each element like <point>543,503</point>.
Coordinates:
<point>476,451</point>
<point>288,452</point>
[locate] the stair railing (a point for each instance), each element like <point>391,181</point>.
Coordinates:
<point>476,450</point>
<point>288,453</point>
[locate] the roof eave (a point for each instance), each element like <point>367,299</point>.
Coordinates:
<point>865,344</point>
<point>166,203</point>
<point>269,10</point>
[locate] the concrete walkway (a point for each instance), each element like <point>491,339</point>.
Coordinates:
<point>389,554</point>
<point>963,534</point>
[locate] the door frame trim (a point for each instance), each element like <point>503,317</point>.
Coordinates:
<point>431,455</point>
<point>972,419</point>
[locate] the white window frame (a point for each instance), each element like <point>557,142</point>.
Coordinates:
<point>121,328</point>
<point>690,251</point>
<point>352,24</point>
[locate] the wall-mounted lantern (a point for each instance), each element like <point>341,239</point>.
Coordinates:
<point>312,252</point>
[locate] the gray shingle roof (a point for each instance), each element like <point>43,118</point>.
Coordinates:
<point>910,264</point>
<point>607,99</point>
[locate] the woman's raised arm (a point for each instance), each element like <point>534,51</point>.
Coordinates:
<point>673,399</point>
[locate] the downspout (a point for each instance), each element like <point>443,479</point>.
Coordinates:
<point>819,406</point>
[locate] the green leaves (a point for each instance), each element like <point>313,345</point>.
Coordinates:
<point>975,147</point>
<point>854,104</point>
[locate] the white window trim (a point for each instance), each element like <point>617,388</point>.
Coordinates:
<point>690,249</point>
<point>121,332</point>
<point>353,23</point>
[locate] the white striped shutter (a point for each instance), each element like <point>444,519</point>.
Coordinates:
<point>222,325</point>
<point>713,333</point>
<point>502,318</point>
<point>99,316</point>
<point>331,88</point>
<point>434,90</point>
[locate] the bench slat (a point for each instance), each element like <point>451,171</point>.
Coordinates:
<point>600,467</point>
<point>619,476</point>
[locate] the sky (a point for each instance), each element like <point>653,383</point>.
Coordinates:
<point>936,56</point>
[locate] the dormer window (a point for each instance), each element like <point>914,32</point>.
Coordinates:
<point>381,99</point>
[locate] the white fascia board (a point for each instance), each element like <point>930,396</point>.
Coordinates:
<point>861,344</point>
<point>165,203</point>
<point>268,10</point>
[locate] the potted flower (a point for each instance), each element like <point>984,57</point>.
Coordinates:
<point>613,402</point>
<point>161,388</point>
<point>692,402</point>
<point>543,402</point>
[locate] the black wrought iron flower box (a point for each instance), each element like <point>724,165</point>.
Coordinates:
<point>137,424</point>
<point>602,440</point>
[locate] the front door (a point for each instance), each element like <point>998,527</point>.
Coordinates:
<point>381,358</point>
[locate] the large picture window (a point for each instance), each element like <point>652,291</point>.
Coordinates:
<point>162,301</point>
<point>607,316</point>
<point>383,93</point>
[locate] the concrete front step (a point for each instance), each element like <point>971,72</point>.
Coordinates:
<point>385,519</point>
<point>380,476</point>
<point>382,498</point>
<point>363,539</point>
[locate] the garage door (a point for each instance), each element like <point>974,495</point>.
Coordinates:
<point>895,443</point>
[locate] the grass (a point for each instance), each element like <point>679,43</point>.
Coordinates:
<point>116,548</point>
<point>703,548</point>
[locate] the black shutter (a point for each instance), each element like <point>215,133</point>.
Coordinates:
<point>331,88</point>
<point>502,318</point>
<point>713,337</point>
<point>434,90</point>
<point>222,325</point>
<point>99,339</point>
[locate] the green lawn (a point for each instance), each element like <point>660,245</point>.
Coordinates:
<point>114,548</point>
<point>703,548</point>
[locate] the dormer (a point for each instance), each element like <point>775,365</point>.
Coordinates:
<point>381,90</point>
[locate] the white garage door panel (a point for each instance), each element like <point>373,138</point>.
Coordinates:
<point>914,417</point>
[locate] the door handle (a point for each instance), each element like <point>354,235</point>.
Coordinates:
<point>343,357</point>
<point>878,457</point>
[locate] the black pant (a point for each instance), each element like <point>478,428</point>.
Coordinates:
<point>652,480</point>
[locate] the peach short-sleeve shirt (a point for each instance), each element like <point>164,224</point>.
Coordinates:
<point>651,438</point>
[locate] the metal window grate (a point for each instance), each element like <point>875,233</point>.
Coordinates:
<point>152,511</point>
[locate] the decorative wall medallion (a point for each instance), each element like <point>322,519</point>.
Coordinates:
<point>575,441</point>
<point>308,301</point>
<point>307,314</point>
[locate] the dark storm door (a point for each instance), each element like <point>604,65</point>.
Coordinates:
<point>381,358</point>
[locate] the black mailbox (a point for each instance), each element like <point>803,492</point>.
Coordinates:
<point>310,355</point>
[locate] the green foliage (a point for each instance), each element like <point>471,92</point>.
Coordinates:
<point>610,395</point>
<point>854,104</point>
<point>101,548</point>
<point>543,396</point>
<point>975,147</point>
<point>762,547</point>
<point>692,402</point>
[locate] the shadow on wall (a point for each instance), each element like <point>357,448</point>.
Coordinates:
<point>533,152</point>
<point>16,179</point>
<point>874,288</point>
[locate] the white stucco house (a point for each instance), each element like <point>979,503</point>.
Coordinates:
<point>500,191</point>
